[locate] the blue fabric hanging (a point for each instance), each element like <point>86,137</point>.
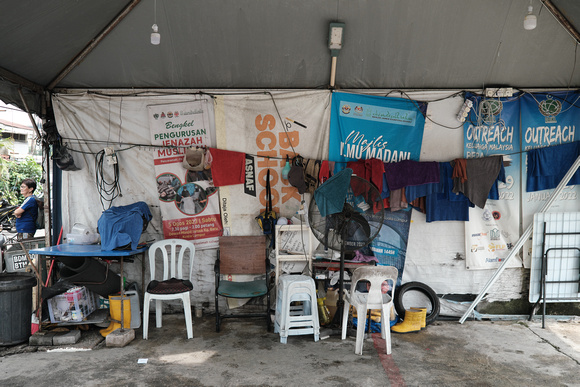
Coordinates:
<point>121,227</point>
<point>330,196</point>
<point>547,166</point>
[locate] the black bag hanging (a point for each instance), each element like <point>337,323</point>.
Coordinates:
<point>268,218</point>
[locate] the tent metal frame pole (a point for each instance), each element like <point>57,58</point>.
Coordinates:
<point>522,239</point>
<point>92,44</point>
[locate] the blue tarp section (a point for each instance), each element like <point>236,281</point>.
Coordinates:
<point>122,226</point>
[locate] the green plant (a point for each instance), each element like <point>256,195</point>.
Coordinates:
<point>13,172</point>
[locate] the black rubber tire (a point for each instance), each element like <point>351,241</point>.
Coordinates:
<point>418,287</point>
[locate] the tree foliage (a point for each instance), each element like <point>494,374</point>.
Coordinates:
<point>13,172</point>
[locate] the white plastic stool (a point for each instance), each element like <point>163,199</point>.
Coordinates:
<point>296,319</point>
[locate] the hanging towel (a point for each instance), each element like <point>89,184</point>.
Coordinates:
<point>331,195</point>
<point>460,169</point>
<point>419,191</point>
<point>481,175</point>
<point>371,170</point>
<point>494,192</point>
<point>326,168</point>
<point>397,200</point>
<point>409,172</point>
<point>446,205</point>
<point>547,166</point>
<point>227,167</point>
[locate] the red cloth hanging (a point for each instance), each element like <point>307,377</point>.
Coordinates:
<point>227,167</point>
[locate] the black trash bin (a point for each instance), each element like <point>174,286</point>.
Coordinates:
<point>15,307</point>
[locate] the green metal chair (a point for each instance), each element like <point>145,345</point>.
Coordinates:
<point>247,256</point>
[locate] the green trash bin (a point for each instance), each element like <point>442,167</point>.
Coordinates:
<point>15,307</point>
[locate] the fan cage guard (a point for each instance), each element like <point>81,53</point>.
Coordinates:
<point>344,231</point>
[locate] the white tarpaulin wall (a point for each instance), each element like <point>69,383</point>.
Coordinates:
<point>91,121</point>
<point>261,126</point>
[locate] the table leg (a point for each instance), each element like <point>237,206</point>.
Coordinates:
<point>122,299</point>
<point>142,279</point>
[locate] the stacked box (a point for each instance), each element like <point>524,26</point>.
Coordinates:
<point>74,305</point>
<point>15,258</point>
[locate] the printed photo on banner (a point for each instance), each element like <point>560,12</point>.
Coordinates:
<point>493,128</point>
<point>366,127</point>
<point>187,197</point>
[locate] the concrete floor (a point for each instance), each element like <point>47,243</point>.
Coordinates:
<point>446,353</point>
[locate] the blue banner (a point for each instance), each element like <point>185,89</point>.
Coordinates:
<point>390,246</point>
<point>366,127</point>
<point>548,119</point>
<point>493,128</point>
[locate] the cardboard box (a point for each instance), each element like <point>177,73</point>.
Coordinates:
<point>331,301</point>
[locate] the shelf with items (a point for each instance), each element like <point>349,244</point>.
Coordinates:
<point>293,248</point>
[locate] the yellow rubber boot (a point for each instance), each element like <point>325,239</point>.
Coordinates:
<point>115,312</point>
<point>411,323</point>
<point>423,316</point>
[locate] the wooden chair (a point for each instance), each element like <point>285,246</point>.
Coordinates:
<point>242,255</point>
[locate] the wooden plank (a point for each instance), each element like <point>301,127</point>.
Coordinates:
<point>242,254</point>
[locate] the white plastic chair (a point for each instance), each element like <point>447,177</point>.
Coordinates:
<point>374,299</point>
<point>173,285</point>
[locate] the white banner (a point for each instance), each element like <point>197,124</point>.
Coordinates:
<point>188,200</point>
<point>268,127</point>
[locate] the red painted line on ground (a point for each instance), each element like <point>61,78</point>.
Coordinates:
<point>388,363</point>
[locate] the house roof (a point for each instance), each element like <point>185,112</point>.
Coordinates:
<point>283,44</point>
<point>15,127</point>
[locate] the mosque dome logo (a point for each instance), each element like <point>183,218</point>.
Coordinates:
<point>490,109</point>
<point>550,108</point>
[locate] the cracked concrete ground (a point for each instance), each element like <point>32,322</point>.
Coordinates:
<point>476,353</point>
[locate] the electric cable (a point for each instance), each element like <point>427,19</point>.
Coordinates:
<point>108,190</point>
<point>282,123</point>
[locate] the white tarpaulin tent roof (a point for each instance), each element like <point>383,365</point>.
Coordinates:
<point>422,45</point>
<point>388,44</point>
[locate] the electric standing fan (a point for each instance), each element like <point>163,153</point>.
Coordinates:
<point>345,214</point>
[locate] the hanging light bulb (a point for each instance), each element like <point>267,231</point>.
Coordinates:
<point>286,169</point>
<point>530,21</point>
<point>155,36</point>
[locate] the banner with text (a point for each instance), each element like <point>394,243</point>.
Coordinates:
<point>364,127</point>
<point>493,128</point>
<point>268,127</point>
<point>548,119</point>
<point>188,200</point>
